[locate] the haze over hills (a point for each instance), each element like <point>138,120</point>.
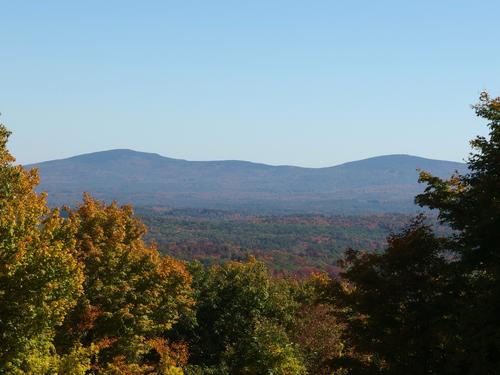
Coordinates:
<point>379,184</point>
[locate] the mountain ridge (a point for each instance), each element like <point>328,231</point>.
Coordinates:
<point>131,152</point>
<point>378,184</point>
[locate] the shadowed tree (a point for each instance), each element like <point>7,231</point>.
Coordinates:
<point>429,305</point>
<point>470,204</point>
<point>396,304</point>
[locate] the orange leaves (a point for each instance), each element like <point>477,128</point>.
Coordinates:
<point>132,294</point>
<point>89,316</point>
<point>171,354</point>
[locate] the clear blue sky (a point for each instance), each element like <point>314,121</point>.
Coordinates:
<point>311,83</point>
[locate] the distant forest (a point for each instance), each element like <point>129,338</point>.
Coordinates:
<point>84,290</point>
<point>293,244</point>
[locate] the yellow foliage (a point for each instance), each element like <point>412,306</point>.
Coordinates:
<point>40,278</point>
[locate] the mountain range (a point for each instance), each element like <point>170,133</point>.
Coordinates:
<point>380,184</point>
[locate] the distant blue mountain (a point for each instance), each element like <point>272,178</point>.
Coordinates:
<point>379,184</point>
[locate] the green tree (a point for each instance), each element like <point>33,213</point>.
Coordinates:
<point>242,318</point>
<point>40,278</point>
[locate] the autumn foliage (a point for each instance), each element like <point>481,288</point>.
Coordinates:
<point>131,296</point>
<point>83,292</point>
<point>40,278</point>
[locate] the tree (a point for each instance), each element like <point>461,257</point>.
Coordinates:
<point>316,329</point>
<point>40,278</point>
<point>396,304</point>
<point>132,295</point>
<point>429,305</point>
<point>242,318</point>
<point>470,204</point>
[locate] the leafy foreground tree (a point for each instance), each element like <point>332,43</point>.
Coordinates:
<point>132,296</point>
<point>429,305</point>
<point>40,279</point>
<point>242,319</point>
<point>470,204</point>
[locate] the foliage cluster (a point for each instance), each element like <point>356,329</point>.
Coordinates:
<point>81,292</point>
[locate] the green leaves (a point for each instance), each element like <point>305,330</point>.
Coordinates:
<point>242,317</point>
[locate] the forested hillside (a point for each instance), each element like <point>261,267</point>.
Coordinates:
<point>83,292</point>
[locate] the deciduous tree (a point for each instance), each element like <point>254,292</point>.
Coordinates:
<point>470,204</point>
<point>132,295</point>
<point>242,318</point>
<point>396,303</point>
<point>40,278</point>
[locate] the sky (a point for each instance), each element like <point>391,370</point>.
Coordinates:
<point>308,83</point>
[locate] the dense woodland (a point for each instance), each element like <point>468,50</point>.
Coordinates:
<point>83,292</point>
<point>291,244</point>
